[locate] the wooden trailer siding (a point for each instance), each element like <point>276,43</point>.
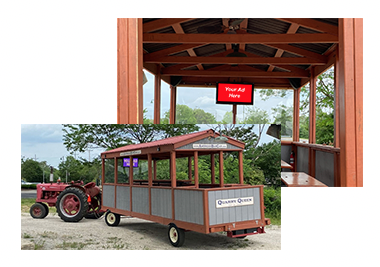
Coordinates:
<point>140,200</point>
<point>302,159</point>
<point>324,167</point>
<point>123,200</point>
<point>161,202</point>
<point>234,214</point>
<point>108,196</point>
<point>188,206</point>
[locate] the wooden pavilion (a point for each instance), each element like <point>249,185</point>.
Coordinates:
<point>272,54</point>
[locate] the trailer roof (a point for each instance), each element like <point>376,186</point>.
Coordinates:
<point>172,143</point>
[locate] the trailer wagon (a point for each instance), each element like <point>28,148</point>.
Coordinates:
<point>131,187</point>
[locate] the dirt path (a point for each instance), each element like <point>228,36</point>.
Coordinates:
<point>132,233</point>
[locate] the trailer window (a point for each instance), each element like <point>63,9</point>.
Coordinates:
<point>122,172</point>
<point>141,172</point>
<point>109,170</point>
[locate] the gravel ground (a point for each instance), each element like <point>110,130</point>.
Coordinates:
<point>132,234</point>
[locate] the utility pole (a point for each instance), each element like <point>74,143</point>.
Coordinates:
<point>89,157</point>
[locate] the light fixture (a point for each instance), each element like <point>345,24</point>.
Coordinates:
<point>236,52</point>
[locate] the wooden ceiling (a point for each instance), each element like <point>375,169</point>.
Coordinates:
<point>275,49</point>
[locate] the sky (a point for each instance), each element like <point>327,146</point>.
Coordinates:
<point>44,142</point>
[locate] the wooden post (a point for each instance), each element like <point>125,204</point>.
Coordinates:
<point>115,171</point>
<point>173,101</point>
<point>154,169</point>
<point>103,170</point>
<point>130,171</point>
<point>336,100</point>
<point>351,101</point>
<point>296,115</point>
<point>234,111</point>
<point>129,71</point>
<point>241,174</point>
<point>312,117</point>
<point>157,95</point>
<point>312,106</point>
<point>196,178</point>
<point>150,183</point>
<point>212,169</point>
<point>189,165</point>
<point>130,181</point>
<point>221,178</point>
<point>173,169</point>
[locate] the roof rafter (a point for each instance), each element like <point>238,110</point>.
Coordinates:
<point>314,25</point>
<point>162,23</point>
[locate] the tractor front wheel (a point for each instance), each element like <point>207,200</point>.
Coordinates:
<point>72,204</point>
<point>39,210</point>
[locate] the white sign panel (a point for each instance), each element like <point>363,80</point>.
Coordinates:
<point>209,145</point>
<point>134,152</point>
<point>233,202</point>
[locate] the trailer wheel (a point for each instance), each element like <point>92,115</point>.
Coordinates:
<point>176,235</point>
<point>112,219</point>
<point>72,204</point>
<point>38,211</point>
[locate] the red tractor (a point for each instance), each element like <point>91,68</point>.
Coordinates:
<point>73,200</point>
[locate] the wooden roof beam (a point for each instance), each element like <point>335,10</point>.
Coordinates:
<point>231,73</point>
<point>239,38</point>
<point>239,60</point>
<point>162,23</point>
<point>314,25</point>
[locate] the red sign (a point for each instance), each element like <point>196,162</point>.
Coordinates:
<point>234,93</point>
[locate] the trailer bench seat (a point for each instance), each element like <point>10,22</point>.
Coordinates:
<point>299,179</point>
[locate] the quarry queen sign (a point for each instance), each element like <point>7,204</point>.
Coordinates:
<point>234,202</point>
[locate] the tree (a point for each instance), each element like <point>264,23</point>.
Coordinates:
<point>31,170</point>
<point>256,115</point>
<point>79,137</point>
<point>284,115</point>
<point>227,118</point>
<point>203,117</point>
<point>187,115</point>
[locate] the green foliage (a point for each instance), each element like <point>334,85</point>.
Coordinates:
<point>324,132</point>
<point>28,186</point>
<point>187,115</point>
<point>272,203</point>
<point>284,116</point>
<point>31,170</point>
<point>268,158</point>
<point>79,170</point>
<point>256,115</point>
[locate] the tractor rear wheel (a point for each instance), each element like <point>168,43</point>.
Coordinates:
<point>72,204</point>
<point>94,208</point>
<point>38,211</point>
